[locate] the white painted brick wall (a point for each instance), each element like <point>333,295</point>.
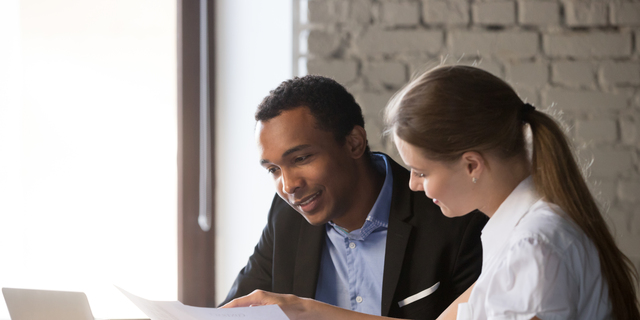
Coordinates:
<point>528,94</point>
<point>604,190</point>
<point>619,220</point>
<point>320,11</point>
<point>379,41</point>
<point>538,13</point>
<point>511,44</point>
<point>614,73</point>
<point>387,73</point>
<point>360,11</point>
<point>400,13</point>
<point>322,43</point>
<point>597,131</point>
<point>494,13</point>
<point>611,163</point>
<point>343,71</point>
<point>588,45</point>
<point>533,74</point>
<point>628,190</point>
<point>625,13</point>
<point>585,13</point>
<point>487,64</point>
<point>574,74</point>
<point>582,55</point>
<point>577,101</point>
<point>630,131</point>
<point>450,12</point>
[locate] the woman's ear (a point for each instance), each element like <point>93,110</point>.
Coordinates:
<point>475,164</point>
<point>356,141</point>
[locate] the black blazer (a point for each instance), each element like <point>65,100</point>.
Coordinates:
<point>423,248</point>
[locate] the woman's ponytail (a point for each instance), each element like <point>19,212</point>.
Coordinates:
<point>558,179</point>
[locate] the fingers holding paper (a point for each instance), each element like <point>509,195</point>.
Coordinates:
<point>293,306</point>
<point>299,308</point>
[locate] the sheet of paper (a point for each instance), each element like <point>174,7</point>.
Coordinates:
<point>175,310</point>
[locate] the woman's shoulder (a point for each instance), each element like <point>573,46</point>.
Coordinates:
<point>548,225</point>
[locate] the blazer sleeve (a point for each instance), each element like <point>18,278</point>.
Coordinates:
<point>257,274</point>
<point>468,261</point>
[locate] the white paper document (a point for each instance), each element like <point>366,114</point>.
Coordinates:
<point>175,310</point>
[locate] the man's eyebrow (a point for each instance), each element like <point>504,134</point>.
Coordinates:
<point>288,152</point>
<point>295,149</point>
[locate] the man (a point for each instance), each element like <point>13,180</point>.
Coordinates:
<point>344,227</point>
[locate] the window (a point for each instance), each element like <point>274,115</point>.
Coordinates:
<point>89,147</point>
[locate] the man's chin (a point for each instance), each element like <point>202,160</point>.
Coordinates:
<point>315,219</point>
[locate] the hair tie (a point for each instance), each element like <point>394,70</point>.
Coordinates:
<point>525,110</point>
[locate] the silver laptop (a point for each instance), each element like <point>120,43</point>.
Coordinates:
<point>28,304</point>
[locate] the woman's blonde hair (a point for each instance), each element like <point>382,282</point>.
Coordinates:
<point>450,110</point>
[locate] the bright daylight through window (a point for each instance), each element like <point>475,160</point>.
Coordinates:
<point>88,149</point>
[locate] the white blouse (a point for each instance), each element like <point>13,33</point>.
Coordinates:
<point>536,262</point>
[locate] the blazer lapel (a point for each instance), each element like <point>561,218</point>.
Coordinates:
<point>397,235</point>
<point>307,265</point>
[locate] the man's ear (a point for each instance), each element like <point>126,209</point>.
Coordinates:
<point>356,142</point>
<point>475,164</point>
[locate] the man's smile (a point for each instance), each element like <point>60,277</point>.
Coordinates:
<point>308,203</point>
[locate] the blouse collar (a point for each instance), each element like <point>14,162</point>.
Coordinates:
<point>496,232</point>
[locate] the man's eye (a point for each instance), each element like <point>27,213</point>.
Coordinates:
<point>272,170</point>
<point>300,159</point>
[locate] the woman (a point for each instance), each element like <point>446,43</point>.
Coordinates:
<point>547,251</point>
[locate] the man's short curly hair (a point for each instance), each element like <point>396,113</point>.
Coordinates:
<point>333,107</point>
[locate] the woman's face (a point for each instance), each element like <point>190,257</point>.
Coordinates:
<point>449,184</point>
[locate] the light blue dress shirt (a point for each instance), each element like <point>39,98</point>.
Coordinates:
<point>352,263</point>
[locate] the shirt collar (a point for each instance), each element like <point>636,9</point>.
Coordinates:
<point>498,229</point>
<point>379,215</point>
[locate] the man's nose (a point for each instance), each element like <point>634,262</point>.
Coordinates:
<point>291,182</point>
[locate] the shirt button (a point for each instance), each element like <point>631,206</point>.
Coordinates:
<point>359,299</point>
<point>352,245</point>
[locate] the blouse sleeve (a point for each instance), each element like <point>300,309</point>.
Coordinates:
<point>532,280</point>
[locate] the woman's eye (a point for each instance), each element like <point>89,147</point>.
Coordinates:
<point>419,175</point>
<point>272,170</point>
<point>300,159</point>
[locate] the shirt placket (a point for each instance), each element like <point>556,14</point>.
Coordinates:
<point>351,248</point>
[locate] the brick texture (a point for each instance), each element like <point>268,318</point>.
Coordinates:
<point>323,43</point>
<point>400,13</point>
<point>579,57</point>
<point>378,41</point>
<point>449,12</point>
<point>391,74</point>
<point>532,74</point>
<point>573,74</point>
<point>620,73</point>
<point>585,13</point>
<point>342,71</point>
<point>588,45</point>
<point>489,43</point>
<point>494,13</point>
<point>578,101</point>
<point>625,14</point>
<point>538,13</point>
<point>597,131</point>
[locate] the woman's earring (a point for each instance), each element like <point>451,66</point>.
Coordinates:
<point>474,180</point>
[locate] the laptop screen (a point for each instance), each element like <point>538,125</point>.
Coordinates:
<point>29,304</point>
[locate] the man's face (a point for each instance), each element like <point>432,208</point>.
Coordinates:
<point>311,170</point>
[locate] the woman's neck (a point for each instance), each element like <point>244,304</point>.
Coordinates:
<point>502,178</point>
